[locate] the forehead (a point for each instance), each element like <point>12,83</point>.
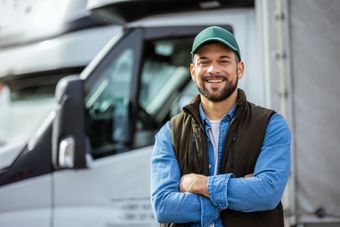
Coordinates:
<point>214,48</point>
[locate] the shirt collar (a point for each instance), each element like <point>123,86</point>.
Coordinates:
<point>226,117</point>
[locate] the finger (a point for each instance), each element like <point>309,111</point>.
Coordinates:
<point>249,175</point>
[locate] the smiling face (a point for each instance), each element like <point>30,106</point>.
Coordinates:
<point>216,70</point>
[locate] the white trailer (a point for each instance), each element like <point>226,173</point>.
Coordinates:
<point>301,52</point>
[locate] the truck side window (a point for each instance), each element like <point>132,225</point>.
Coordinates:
<point>107,106</point>
<point>107,101</point>
<point>164,74</point>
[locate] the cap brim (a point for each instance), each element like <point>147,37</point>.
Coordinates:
<point>194,50</point>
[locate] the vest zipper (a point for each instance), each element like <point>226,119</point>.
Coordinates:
<point>230,149</point>
<point>232,152</point>
<point>193,150</point>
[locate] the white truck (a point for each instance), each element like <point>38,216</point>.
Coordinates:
<point>89,163</point>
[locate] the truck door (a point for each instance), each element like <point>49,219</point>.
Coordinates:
<point>113,190</point>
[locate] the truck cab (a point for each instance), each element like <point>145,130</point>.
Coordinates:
<point>89,162</point>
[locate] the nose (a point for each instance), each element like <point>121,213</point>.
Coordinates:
<point>213,68</point>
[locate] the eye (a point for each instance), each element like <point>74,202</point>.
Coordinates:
<point>224,61</point>
<point>203,62</point>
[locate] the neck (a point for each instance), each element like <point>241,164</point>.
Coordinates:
<point>217,110</point>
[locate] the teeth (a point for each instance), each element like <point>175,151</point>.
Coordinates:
<point>214,81</point>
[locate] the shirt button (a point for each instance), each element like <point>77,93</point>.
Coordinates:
<point>209,166</point>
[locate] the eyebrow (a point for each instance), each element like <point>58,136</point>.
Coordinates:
<point>225,56</point>
<point>202,58</point>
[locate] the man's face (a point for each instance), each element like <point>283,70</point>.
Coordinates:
<point>216,70</point>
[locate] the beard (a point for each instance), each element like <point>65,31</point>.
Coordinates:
<point>220,94</point>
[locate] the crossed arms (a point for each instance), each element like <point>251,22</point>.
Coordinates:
<point>199,199</point>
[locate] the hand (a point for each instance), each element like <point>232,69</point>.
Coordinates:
<point>249,175</point>
<point>194,183</point>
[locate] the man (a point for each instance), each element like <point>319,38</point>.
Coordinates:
<point>222,161</point>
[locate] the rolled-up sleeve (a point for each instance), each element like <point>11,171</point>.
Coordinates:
<point>216,188</point>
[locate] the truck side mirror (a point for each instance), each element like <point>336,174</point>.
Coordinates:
<point>68,134</point>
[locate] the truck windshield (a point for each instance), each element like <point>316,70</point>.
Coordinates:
<point>25,102</point>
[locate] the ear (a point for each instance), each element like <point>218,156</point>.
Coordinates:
<point>240,69</point>
<point>192,71</point>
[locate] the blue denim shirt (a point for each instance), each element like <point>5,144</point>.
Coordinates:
<point>262,191</point>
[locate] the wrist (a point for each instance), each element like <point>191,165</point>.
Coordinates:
<point>201,185</point>
<point>194,183</point>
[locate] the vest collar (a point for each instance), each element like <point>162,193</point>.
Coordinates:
<point>192,109</point>
<point>240,103</point>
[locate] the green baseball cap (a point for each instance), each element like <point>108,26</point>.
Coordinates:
<point>215,33</point>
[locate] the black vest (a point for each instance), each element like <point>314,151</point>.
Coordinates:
<point>240,152</point>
